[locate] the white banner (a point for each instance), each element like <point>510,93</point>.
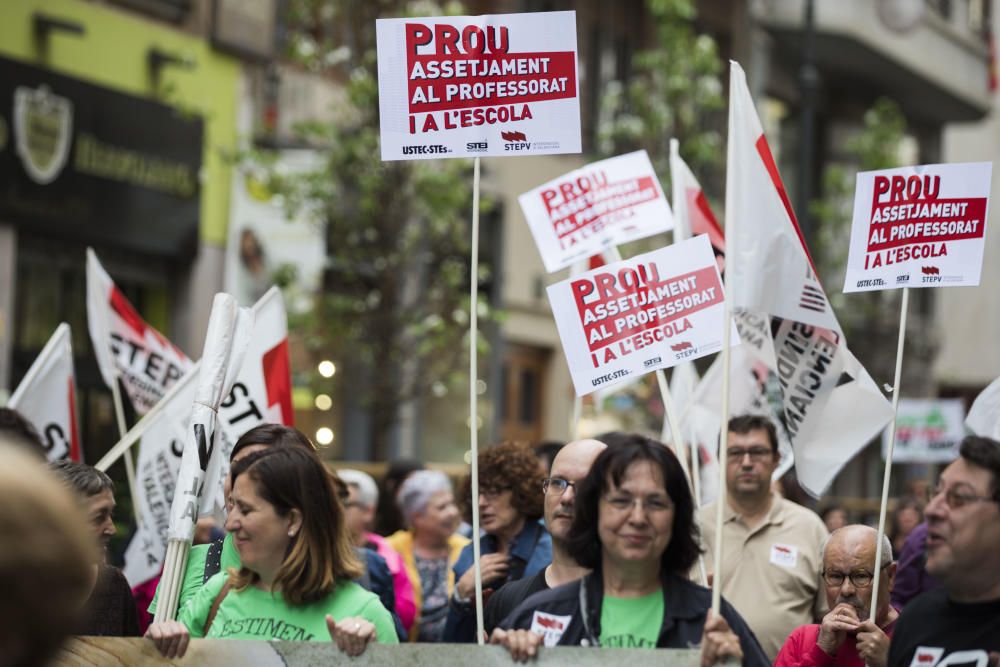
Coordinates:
<point>262,394</point>
<point>46,397</point>
<point>927,431</point>
<point>919,227</point>
<point>468,86</point>
<point>634,316</point>
<point>593,208</point>
<point>126,346</point>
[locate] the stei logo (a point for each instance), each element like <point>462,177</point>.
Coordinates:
<point>477,146</point>
<point>43,126</point>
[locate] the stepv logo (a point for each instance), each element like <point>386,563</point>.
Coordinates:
<point>931,274</point>
<point>514,141</point>
<point>683,349</point>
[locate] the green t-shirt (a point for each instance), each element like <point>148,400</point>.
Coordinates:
<point>631,622</point>
<point>194,571</point>
<point>256,614</point>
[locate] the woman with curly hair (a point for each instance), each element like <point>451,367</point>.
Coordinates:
<point>514,543</point>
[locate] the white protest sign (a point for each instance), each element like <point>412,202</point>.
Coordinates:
<point>919,227</point>
<point>927,431</point>
<point>467,86</point>
<point>634,316</point>
<point>590,209</point>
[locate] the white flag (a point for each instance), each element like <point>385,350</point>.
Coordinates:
<point>261,394</point>
<point>126,346</point>
<point>771,269</point>
<point>46,397</point>
<point>984,415</point>
<point>832,408</point>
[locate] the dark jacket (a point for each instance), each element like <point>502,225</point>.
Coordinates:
<point>530,553</point>
<point>685,607</point>
<point>509,597</point>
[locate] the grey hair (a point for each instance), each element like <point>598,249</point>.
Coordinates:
<point>364,483</point>
<point>417,490</point>
<point>83,480</point>
<point>886,545</point>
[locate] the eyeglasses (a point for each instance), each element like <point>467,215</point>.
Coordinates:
<point>557,485</point>
<point>954,499</point>
<point>859,578</point>
<point>493,492</point>
<point>625,503</point>
<point>756,454</point>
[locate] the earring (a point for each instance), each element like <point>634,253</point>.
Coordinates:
<point>291,533</point>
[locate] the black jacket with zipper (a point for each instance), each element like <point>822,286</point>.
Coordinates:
<point>685,607</point>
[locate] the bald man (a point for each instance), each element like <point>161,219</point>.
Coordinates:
<point>846,637</point>
<point>570,465</point>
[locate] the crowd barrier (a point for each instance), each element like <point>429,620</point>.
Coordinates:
<point>101,651</point>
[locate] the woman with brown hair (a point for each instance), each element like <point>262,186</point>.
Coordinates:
<point>514,543</point>
<point>297,564</point>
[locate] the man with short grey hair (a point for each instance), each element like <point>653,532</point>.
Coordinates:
<point>847,637</point>
<point>110,610</point>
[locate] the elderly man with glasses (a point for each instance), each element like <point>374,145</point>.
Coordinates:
<point>848,637</point>
<point>959,623</point>
<point>770,546</point>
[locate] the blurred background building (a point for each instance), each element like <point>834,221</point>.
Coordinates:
<point>140,110</point>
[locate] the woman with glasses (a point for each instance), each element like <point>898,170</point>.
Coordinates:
<point>513,545</point>
<point>429,548</point>
<point>634,529</point>
<point>297,563</point>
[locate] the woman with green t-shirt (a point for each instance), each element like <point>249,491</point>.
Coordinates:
<point>297,565</point>
<point>633,527</point>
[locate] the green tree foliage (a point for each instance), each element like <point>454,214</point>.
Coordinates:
<point>672,90</point>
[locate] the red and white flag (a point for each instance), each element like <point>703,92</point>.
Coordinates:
<point>126,346</point>
<point>261,394</point>
<point>772,271</point>
<point>692,213</point>
<point>832,408</point>
<point>47,397</point>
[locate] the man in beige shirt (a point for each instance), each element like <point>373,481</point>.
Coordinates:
<point>771,558</point>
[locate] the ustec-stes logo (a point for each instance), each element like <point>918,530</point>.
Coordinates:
<point>515,141</point>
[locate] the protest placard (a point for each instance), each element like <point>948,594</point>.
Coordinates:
<point>590,209</point>
<point>927,431</point>
<point>644,313</point>
<point>469,86</point>
<point>919,227</point>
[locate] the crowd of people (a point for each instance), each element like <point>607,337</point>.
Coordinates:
<point>596,543</point>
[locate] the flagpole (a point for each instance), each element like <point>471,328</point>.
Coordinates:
<point>116,395</point>
<point>679,447</point>
<point>140,427</point>
<point>473,399</point>
<point>892,442</point>
<point>727,323</point>
<point>574,427</point>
